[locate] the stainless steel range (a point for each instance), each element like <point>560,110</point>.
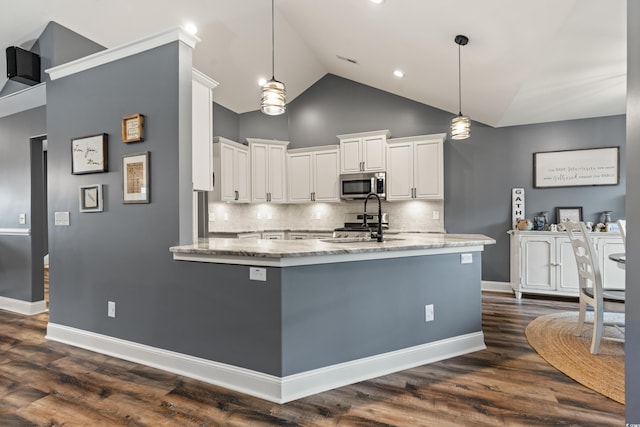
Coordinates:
<point>354,225</point>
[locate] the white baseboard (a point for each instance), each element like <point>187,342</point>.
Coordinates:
<point>269,387</point>
<point>489,286</point>
<point>28,308</point>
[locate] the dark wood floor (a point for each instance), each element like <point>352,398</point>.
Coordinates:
<point>50,384</point>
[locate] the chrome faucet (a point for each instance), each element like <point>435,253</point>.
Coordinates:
<point>379,232</point>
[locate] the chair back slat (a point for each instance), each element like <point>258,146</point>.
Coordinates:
<point>586,256</point>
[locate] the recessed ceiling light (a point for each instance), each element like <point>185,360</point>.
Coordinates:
<point>398,73</point>
<point>262,81</point>
<point>377,1</point>
<point>191,28</point>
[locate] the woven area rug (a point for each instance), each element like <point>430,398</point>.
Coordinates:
<point>552,336</point>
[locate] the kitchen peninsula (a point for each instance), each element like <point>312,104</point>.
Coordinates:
<point>336,311</point>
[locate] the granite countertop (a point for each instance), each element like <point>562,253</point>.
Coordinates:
<point>251,249</point>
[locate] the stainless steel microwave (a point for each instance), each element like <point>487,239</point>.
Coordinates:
<point>355,186</point>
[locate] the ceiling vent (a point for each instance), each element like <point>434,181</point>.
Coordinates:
<point>23,66</point>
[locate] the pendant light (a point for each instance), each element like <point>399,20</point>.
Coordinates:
<point>460,125</point>
<point>273,92</point>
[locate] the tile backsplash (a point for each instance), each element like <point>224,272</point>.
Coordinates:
<point>413,215</point>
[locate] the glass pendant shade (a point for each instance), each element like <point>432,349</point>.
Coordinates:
<point>274,96</point>
<point>460,127</point>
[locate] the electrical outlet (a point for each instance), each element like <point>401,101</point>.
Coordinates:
<point>466,258</point>
<point>212,216</point>
<point>269,215</point>
<point>436,214</point>
<point>22,218</point>
<point>257,273</point>
<point>226,216</point>
<point>259,215</point>
<point>318,215</point>
<point>111,309</point>
<point>428,313</point>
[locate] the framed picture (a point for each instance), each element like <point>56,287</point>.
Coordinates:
<point>564,214</point>
<point>572,168</point>
<point>89,154</point>
<point>135,177</point>
<point>91,198</point>
<point>133,128</point>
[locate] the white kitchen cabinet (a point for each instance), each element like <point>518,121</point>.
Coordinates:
<point>230,171</point>
<point>202,130</point>
<point>543,262</point>
<point>415,167</point>
<point>268,170</point>
<point>365,151</point>
<point>313,174</point>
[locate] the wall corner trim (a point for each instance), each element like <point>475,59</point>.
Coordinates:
<point>23,100</point>
<point>123,51</point>
<point>269,387</point>
<point>15,231</point>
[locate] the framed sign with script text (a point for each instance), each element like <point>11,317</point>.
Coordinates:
<point>89,154</point>
<point>573,168</point>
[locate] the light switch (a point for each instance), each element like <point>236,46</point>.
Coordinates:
<point>466,258</point>
<point>22,218</point>
<point>61,218</point>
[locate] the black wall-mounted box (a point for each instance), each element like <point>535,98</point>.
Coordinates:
<point>23,66</point>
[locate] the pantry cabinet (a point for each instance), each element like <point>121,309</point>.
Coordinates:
<point>231,171</point>
<point>268,170</point>
<point>313,174</point>
<point>363,152</point>
<point>543,262</point>
<point>202,130</point>
<point>415,167</point>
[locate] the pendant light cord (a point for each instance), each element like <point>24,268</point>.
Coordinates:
<point>459,83</point>
<point>273,43</point>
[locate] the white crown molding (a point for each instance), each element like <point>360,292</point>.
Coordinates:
<point>269,387</point>
<point>23,100</point>
<point>205,80</point>
<point>116,53</point>
<point>28,308</point>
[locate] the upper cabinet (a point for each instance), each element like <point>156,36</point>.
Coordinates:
<point>268,170</point>
<point>415,167</point>
<point>313,174</point>
<point>231,171</point>
<point>202,131</point>
<point>364,151</point>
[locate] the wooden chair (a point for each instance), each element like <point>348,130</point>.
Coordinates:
<point>591,289</point>
<point>622,226</point>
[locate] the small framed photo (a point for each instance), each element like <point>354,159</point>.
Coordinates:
<point>133,128</point>
<point>91,198</point>
<point>135,178</point>
<point>89,154</point>
<point>564,214</point>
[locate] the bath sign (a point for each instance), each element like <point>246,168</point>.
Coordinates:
<point>517,205</point>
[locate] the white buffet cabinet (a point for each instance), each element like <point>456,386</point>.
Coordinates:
<point>543,262</point>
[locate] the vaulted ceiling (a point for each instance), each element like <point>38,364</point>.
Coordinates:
<point>526,62</point>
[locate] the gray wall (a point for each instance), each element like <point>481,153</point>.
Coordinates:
<point>122,254</point>
<point>479,172</point>
<point>347,311</point>
<point>19,253</point>
<point>632,345</point>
